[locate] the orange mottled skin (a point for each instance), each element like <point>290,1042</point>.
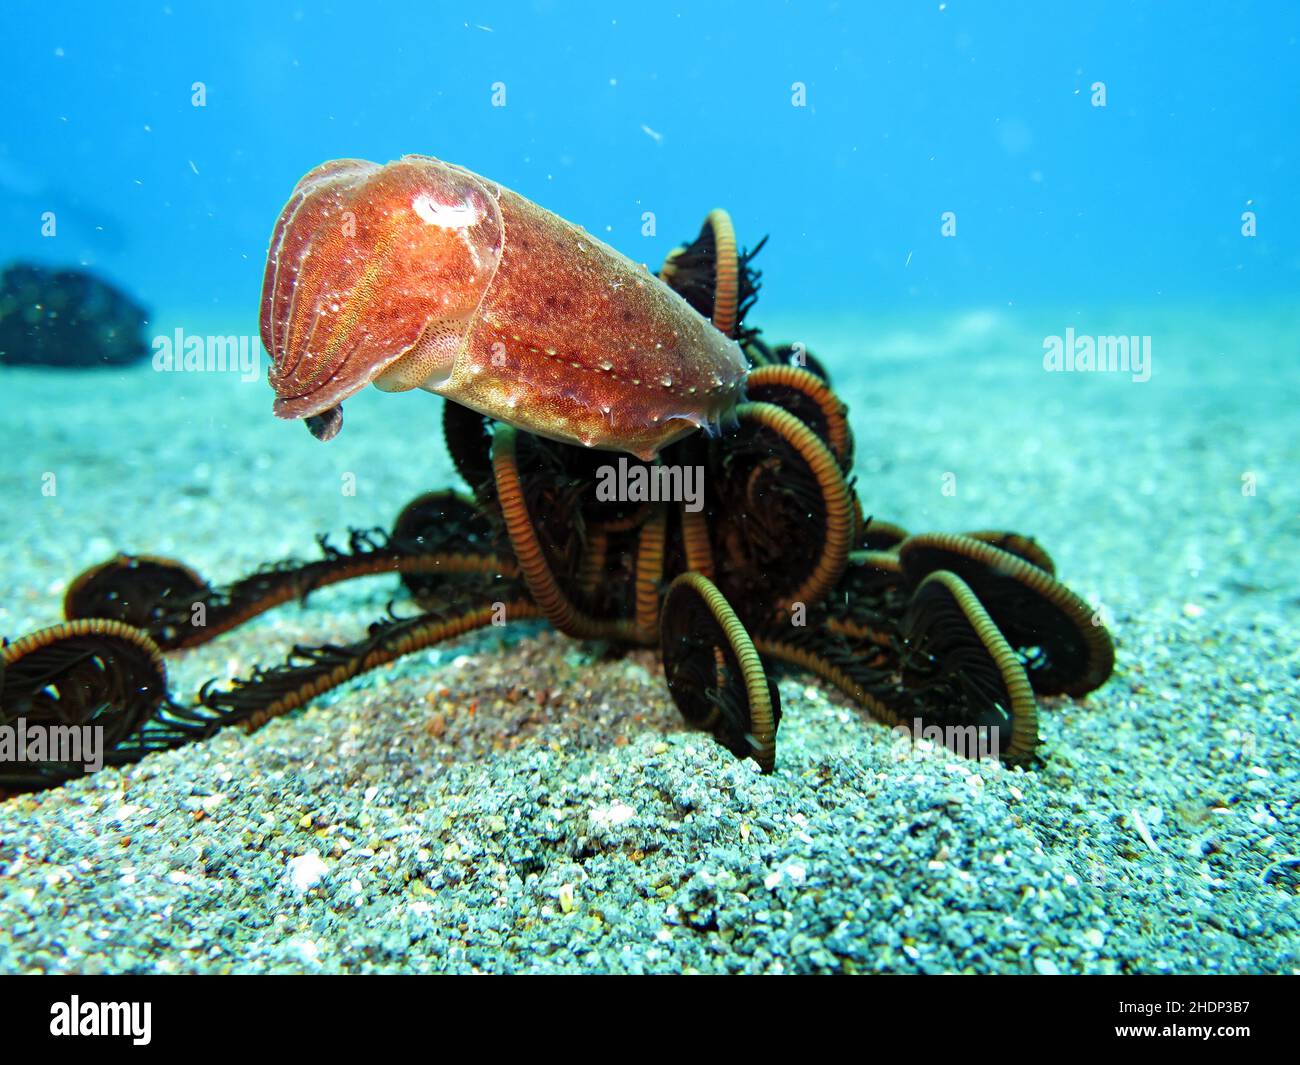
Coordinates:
<point>451,283</point>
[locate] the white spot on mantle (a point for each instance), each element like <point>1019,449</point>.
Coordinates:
<point>447,215</point>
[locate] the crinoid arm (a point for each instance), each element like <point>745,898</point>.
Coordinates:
<point>104,665</point>
<point>795,355</point>
<point>947,670</point>
<point>178,609</point>
<point>809,399</point>
<point>538,532</point>
<point>780,490</point>
<point>957,660</point>
<point>1018,544</point>
<point>714,277</point>
<point>714,672</point>
<point>1064,648</point>
<point>311,671</point>
<point>57,682</point>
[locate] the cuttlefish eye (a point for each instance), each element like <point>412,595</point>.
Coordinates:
<point>369,265</point>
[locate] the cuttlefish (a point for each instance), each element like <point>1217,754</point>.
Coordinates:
<point>421,274</point>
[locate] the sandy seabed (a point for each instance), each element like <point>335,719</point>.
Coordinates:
<point>517,801</point>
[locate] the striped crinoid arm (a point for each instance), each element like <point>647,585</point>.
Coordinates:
<point>439,536</point>
<point>697,551</point>
<point>650,575</point>
<point>1018,544</point>
<point>309,672</point>
<point>715,674</point>
<point>1058,636</point>
<point>95,673</point>
<point>235,604</point>
<point>866,678</point>
<point>948,668</point>
<point>178,609</point>
<point>808,398</point>
<point>955,657</point>
<point>761,353</point>
<point>785,521</point>
<point>106,674</point>
<point>876,534</point>
<point>835,514</point>
<point>714,277</point>
<point>692,515</point>
<point>549,555</point>
<point>594,559</point>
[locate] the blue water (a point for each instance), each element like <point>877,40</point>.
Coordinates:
<point>612,110</point>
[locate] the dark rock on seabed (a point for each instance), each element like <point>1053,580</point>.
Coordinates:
<point>67,318</point>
